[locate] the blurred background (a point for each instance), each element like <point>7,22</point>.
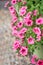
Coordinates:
<point>7,55</point>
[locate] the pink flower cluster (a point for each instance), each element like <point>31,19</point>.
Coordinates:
<point>17,45</point>
<point>13,2</point>
<point>21,27</point>
<point>36,61</point>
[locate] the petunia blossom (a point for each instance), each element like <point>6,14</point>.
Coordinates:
<point>15,33</point>
<point>39,21</point>
<point>28,22</point>
<point>33,59</point>
<point>14,28</point>
<point>31,40</point>
<point>37,30</point>
<point>11,8</point>
<point>23,30</point>
<point>38,38</point>
<point>39,62</point>
<point>12,11</point>
<point>22,10</point>
<point>13,2</point>
<point>14,19</point>
<point>20,35</point>
<point>23,51</point>
<point>35,12</point>
<point>29,14</point>
<point>20,24</point>
<point>16,44</point>
<point>6,4</point>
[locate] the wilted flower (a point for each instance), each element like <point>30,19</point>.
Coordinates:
<point>6,4</point>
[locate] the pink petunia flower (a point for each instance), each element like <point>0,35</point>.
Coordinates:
<point>25,19</point>
<point>33,60</point>
<point>14,28</point>
<point>23,30</point>
<point>20,24</point>
<point>37,30</point>
<point>23,51</point>
<point>28,15</point>
<point>35,12</point>
<point>22,10</point>
<point>6,4</point>
<point>11,8</point>
<point>16,44</point>
<point>39,21</point>
<point>28,22</point>
<point>38,38</point>
<point>12,11</point>
<point>14,19</point>
<point>20,35</point>
<point>15,33</point>
<point>39,62</point>
<point>13,2</point>
<point>31,40</point>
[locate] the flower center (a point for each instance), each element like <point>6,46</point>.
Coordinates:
<point>23,50</point>
<point>40,63</point>
<point>30,39</point>
<point>13,1</point>
<point>11,7</point>
<point>19,23</point>
<point>39,21</point>
<point>29,22</point>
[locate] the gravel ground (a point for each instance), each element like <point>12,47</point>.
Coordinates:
<point>7,55</point>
